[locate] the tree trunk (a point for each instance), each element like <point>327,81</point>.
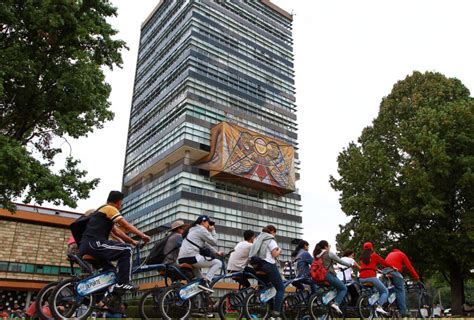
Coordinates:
<point>457,290</point>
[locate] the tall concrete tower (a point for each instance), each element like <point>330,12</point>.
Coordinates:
<point>213,124</point>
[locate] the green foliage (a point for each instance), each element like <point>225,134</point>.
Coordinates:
<point>409,180</point>
<point>51,85</point>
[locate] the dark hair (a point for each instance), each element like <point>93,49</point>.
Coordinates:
<point>365,257</point>
<point>347,253</point>
<point>270,228</point>
<point>300,246</point>
<point>248,234</point>
<point>115,196</point>
<point>319,247</point>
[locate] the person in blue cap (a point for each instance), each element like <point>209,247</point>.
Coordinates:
<point>199,249</point>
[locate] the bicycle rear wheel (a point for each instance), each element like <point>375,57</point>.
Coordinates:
<point>230,306</point>
<point>291,308</point>
<point>149,304</point>
<point>42,300</point>
<point>254,308</point>
<point>65,303</point>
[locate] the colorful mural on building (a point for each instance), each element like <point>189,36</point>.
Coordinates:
<point>249,158</point>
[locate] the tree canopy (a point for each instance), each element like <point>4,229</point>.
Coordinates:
<point>408,181</point>
<point>51,86</point>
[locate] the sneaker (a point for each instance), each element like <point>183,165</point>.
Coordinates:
<point>379,309</point>
<point>125,287</point>
<point>205,285</point>
<point>335,306</point>
<point>275,315</point>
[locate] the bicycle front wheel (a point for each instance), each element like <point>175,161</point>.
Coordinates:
<point>149,304</point>
<point>65,303</point>
<point>317,310</point>
<point>424,305</point>
<point>171,306</point>
<point>254,307</point>
<point>364,309</point>
<point>230,306</point>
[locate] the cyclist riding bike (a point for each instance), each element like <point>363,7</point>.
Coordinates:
<point>397,258</point>
<point>303,261</point>
<point>95,240</point>
<point>264,252</point>
<point>368,273</point>
<point>322,250</point>
<point>239,258</point>
<point>198,249</point>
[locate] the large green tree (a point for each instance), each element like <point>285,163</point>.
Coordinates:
<point>52,86</point>
<point>409,180</point>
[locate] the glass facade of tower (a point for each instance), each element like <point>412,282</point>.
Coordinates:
<point>201,63</point>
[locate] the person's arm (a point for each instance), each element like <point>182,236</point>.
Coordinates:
<point>379,260</point>
<point>130,228</point>
<point>334,257</point>
<point>410,268</point>
<point>209,236</point>
<point>306,257</point>
<point>118,233</point>
<point>274,249</point>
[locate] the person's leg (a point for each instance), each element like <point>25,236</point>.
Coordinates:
<point>382,289</point>
<point>109,250</point>
<point>399,285</point>
<point>213,266</point>
<point>275,278</point>
<point>339,285</point>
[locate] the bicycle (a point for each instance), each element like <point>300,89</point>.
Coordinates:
<point>231,303</point>
<point>295,305</point>
<point>76,297</point>
<point>180,300</point>
<point>368,300</point>
<point>149,302</point>
<point>424,301</point>
<point>258,301</point>
<point>87,266</point>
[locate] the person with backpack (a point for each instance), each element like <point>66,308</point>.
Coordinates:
<point>398,259</point>
<point>95,241</point>
<point>368,273</point>
<point>303,260</point>
<point>165,250</point>
<point>324,260</point>
<point>198,249</point>
<point>263,254</point>
<point>174,242</point>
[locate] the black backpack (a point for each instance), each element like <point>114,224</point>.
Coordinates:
<point>157,253</point>
<point>78,227</point>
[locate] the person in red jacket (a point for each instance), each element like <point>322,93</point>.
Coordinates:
<point>398,259</point>
<point>368,273</point>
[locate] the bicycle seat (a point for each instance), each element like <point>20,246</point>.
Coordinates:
<point>323,283</point>
<point>88,258</point>
<point>367,284</point>
<point>186,266</point>
<point>261,273</point>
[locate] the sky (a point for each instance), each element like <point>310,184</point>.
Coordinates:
<point>348,56</point>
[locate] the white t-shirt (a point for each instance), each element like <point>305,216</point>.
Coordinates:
<point>239,259</point>
<point>347,272</point>
<point>272,245</point>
